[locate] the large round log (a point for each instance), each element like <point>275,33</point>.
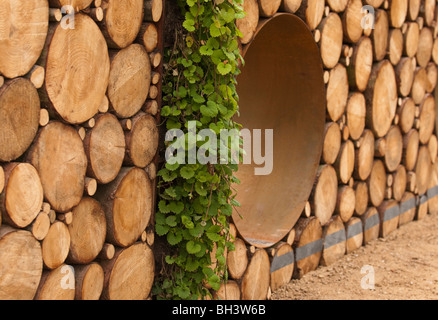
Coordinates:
<point>57,284</point>
<point>361,64</point>
<point>256,280</point>
<point>19,114</point>
<point>332,141</point>
<point>361,191</point>
<point>23,31</point>
<point>398,11</point>
<point>425,44</point>
<point>22,197</point>
<point>337,92</point>
<point>237,260</point>
<point>423,169</point>
<point>427,118</point>
<point>130,274</point>
<point>331,40</point>
<point>130,192</point>
<point>282,274</point>
<point>324,194</point>
<point>380,34</point>
<point>312,12</point>
<point>405,75</point>
<point>410,149</point>
<point>71,56</point>
<point>351,20</point>
<point>377,183</point>
<point>406,115</point>
<point>121,22</point>
<point>355,115</point>
<point>344,165</point>
<point>268,8</point>
<point>88,281</point>
<point>129,80</point>
<point>394,148</point>
<point>411,37</point>
<point>21,264</point>
<point>364,157</point>
<point>59,157</point>
<point>56,245</point>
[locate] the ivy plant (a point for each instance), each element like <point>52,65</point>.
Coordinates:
<point>196,200</point>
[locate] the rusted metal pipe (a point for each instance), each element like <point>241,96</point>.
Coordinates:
<point>281,87</point>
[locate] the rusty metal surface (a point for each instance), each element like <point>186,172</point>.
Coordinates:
<point>281,87</point>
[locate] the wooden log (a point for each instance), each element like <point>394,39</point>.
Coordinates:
<point>423,169</point>
<point>374,3</point>
<point>389,217</point>
<point>256,280</point>
<point>395,46</point>
<point>411,38</point>
<point>432,146</point>
<point>398,11</point>
<point>290,6</point>
<point>229,290</point>
<point>76,4</point>
<point>22,197</point>
<point>56,245</point>
<point>308,245</point>
<point>141,141</point>
<point>344,164</point>
<point>67,217</point>
<point>361,194</point>
<point>422,207</point>
<point>337,92</point>
<point>381,98</point>
<point>346,203</point>
<point>405,75</point>
<point>331,40</point>
<point>148,36</point>
<point>419,85</point>
<point>413,9</point>
<point>88,281</point>
<point>377,183</point>
<point>432,198</point>
<point>435,51</point>
<point>21,264</point>
<point>36,75</point>
<point>57,284</point>
<point>153,10</point>
<point>427,118</point>
<point>130,192</point>
<point>129,80</point>
<point>237,261</point>
<point>44,117</point>
<point>354,230</point>
<point>380,34</point>
<point>74,101</point>
<point>425,44</point>
<point>40,226</point>
<point>107,252</point>
<point>355,115</point>
<point>406,113</point>
<point>394,148</point>
<point>399,184</point>
<point>19,111</point>
<point>334,241</point>
<point>87,232</point>
<point>359,69</point>
<point>407,208</point>
<point>59,157</point>
<point>2,182</point>
<point>364,156</point>
<point>281,266</point>
<point>130,274</point>
<point>248,25</point>
<point>432,76</point>
<point>427,11</point>
<point>380,147</point>
<point>267,8</point>
<point>311,11</point>
<point>324,193</point>
<point>371,224</point>
<point>332,143</point>
<point>23,30</point>
<point>337,5</point>
<point>105,148</point>
<point>351,21</point>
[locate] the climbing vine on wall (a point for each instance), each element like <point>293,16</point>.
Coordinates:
<point>196,199</point>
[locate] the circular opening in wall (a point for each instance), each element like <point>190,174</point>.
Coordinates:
<point>281,88</point>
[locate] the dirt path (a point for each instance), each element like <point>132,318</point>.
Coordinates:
<point>405,267</point>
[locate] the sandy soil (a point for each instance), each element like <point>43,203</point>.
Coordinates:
<point>405,266</point>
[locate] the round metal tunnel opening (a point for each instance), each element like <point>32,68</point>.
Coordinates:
<point>281,87</point>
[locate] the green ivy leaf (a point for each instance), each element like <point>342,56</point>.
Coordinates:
<point>193,247</point>
<point>224,68</point>
<point>171,221</point>
<point>174,238</point>
<point>161,230</point>
<point>187,172</point>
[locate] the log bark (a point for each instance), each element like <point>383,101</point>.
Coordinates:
<point>398,12</point>
<point>22,197</point>
<point>337,92</point>
<point>381,97</point>
<point>311,11</point>
<point>268,8</point>
<point>380,34</point>
<point>283,274</point>
<point>324,194</point>
<point>87,232</point>
<point>153,10</point>
<point>394,148</point>
<point>142,141</point>
<point>256,280</point>
<point>130,192</point>
<point>395,46</point>
<point>344,165</point>
<point>405,75</point>
<point>248,24</point>
<point>388,220</point>
<point>59,157</point>
<point>361,64</point>
<point>364,156</point>
<point>332,143</point>
<point>237,261</point>
<point>333,252</point>
<point>355,115</point>
<point>425,44</point>
<point>129,80</point>
<point>105,148</point>
<point>427,118</point>
<point>23,31</point>
<point>377,183</point>
<point>361,194</point>
<point>371,223</point>
<point>57,284</point>
<point>331,40</point>
<point>69,92</point>
<point>19,111</point>
<point>351,21</point>
<point>307,231</point>
<point>21,264</point>
<point>56,245</point>
<point>354,238</point>
<point>88,281</point>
